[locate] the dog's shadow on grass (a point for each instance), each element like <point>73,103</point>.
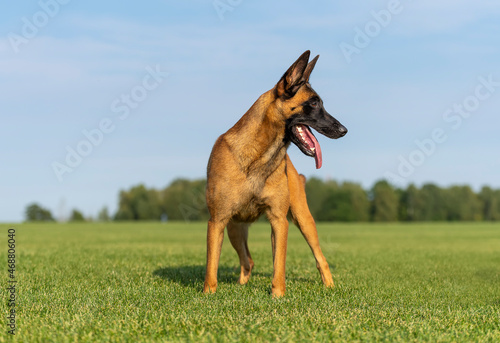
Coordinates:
<point>192,276</point>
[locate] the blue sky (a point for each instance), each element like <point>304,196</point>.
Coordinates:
<point>62,75</point>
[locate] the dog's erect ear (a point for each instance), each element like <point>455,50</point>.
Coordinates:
<point>294,77</point>
<point>309,69</point>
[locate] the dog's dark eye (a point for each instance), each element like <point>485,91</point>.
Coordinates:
<point>313,104</point>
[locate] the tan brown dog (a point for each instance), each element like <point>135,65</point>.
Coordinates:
<point>249,173</point>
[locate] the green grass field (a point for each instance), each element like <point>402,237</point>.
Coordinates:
<point>142,282</point>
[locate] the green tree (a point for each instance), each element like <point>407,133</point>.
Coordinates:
<point>360,205</point>
<point>327,200</point>
<point>410,204</point>
<point>385,202</point>
<point>185,200</point>
<point>490,202</point>
<point>124,211</point>
<point>317,192</point>
<point>431,203</point>
<point>347,203</point>
<point>334,205</point>
<point>496,195</point>
<point>35,212</point>
<point>139,203</point>
<point>103,215</point>
<point>76,216</point>
<point>463,204</point>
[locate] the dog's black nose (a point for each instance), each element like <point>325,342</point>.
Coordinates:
<point>342,130</point>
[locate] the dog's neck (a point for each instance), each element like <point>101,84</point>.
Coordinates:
<point>258,137</point>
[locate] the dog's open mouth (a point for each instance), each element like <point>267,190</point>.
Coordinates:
<point>308,143</point>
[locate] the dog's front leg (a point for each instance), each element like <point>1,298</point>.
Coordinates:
<point>215,237</point>
<point>279,238</point>
<point>305,222</point>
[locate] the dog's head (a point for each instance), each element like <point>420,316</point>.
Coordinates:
<point>302,109</point>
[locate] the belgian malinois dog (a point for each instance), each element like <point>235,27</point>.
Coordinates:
<point>249,173</point>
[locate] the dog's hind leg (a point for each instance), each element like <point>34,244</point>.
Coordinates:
<point>302,217</point>
<point>238,235</point>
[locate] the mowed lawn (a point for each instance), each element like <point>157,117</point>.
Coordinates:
<point>142,282</point>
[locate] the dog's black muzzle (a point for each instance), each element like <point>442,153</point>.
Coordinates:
<point>320,120</point>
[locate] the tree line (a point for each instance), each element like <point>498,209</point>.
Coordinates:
<point>328,201</point>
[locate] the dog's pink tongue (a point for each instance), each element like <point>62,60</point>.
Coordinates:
<point>317,149</point>
<point>318,157</point>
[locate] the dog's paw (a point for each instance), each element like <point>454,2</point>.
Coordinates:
<point>207,289</point>
<point>329,284</point>
<point>278,292</point>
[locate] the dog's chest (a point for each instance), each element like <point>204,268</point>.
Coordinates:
<point>250,211</point>
<point>260,194</point>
